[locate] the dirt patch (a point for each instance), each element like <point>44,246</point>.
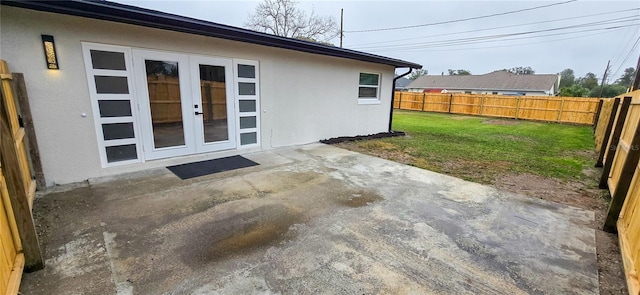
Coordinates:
<point>586,195</point>
<point>460,118</point>
<point>514,137</point>
<point>550,189</point>
<point>476,171</point>
<point>501,122</point>
<point>383,150</point>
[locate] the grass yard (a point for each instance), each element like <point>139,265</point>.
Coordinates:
<point>542,160</point>
<point>478,149</point>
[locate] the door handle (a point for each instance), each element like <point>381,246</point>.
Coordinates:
<point>198,113</point>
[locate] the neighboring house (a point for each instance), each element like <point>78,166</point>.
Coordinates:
<point>498,82</point>
<point>138,89</point>
<point>402,83</point>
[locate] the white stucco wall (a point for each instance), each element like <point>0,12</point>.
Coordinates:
<point>306,97</point>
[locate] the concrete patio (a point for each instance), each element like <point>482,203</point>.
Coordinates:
<point>313,219</point>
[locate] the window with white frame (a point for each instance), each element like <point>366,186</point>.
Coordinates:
<point>369,86</point>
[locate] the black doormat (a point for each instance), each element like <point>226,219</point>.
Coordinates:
<point>196,169</point>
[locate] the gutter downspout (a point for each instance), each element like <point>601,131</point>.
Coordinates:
<point>393,92</point>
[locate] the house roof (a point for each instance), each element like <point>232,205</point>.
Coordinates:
<point>402,82</point>
<point>134,15</point>
<point>498,80</point>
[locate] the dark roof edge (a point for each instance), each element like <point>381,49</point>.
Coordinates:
<point>484,89</point>
<point>133,15</point>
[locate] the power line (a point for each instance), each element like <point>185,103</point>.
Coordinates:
<point>496,28</point>
<point>426,48</point>
<point>633,48</point>
<point>461,20</point>
<point>620,51</point>
<point>498,46</point>
<point>622,46</point>
<point>498,36</point>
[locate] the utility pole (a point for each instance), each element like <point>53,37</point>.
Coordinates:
<point>341,25</point>
<point>635,83</point>
<point>604,78</point>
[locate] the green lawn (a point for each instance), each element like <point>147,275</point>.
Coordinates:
<point>478,148</point>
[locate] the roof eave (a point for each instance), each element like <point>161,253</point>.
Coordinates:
<point>483,89</point>
<point>121,13</point>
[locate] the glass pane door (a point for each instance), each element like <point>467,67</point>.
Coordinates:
<point>163,83</point>
<point>166,110</point>
<point>213,103</point>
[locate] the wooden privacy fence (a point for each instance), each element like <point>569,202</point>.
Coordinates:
<point>19,247</point>
<point>166,105</point>
<point>577,110</point>
<point>617,136</point>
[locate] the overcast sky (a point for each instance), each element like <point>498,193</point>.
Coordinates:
<point>600,31</point>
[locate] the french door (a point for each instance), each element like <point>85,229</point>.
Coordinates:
<point>186,103</point>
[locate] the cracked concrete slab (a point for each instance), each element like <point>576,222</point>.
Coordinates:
<point>313,219</point>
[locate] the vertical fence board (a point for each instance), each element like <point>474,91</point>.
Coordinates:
<point>597,116</point>
<point>34,154</point>
<point>606,112</point>
<point>608,150</point>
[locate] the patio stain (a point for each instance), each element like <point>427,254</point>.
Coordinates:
<point>268,225</point>
<point>241,234</point>
<point>358,198</point>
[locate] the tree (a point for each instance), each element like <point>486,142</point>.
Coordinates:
<point>574,91</point>
<point>417,73</point>
<point>567,78</point>
<point>626,78</point>
<point>284,18</point>
<point>608,91</point>
<point>521,71</point>
<point>589,81</point>
<point>458,72</point>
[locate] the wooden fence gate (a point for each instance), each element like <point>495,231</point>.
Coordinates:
<point>19,247</point>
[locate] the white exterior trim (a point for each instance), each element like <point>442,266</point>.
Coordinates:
<point>95,97</point>
<point>256,98</point>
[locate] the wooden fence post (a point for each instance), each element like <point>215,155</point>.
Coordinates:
<point>517,106</point>
<point>424,95</point>
<point>481,105</point>
<point>607,132</point>
<point>23,101</point>
<point>560,111</point>
<point>400,102</point>
<point>613,142</point>
<point>596,117</point>
<point>628,169</point>
<point>450,102</point>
